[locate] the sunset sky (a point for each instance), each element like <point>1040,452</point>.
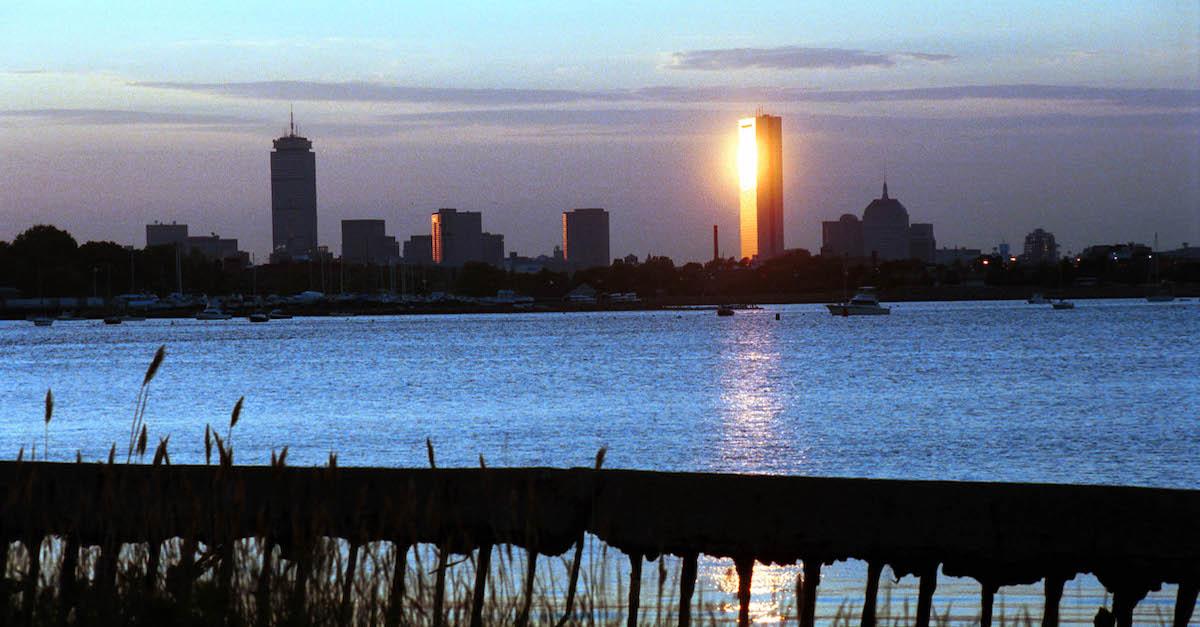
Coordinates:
<point>991,119</point>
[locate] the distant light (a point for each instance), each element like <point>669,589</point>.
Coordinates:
<point>985,262</point>
<point>747,155</point>
<point>1012,258</point>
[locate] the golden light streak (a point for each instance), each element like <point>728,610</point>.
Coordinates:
<point>747,155</point>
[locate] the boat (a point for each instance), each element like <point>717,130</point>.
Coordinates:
<point>1038,299</point>
<point>864,303</point>
<point>42,321</point>
<point>724,310</point>
<point>259,316</point>
<point>279,315</point>
<point>213,312</point>
<point>112,320</point>
<point>1062,304</point>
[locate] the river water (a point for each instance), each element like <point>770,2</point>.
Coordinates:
<point>1105,393</point>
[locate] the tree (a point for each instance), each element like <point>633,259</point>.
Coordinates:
<point>44,262</point>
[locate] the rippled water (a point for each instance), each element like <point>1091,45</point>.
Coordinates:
<point>1106,393</point>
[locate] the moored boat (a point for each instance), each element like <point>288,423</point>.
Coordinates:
<point>213,312</point>
<point>864,303</point>
<point>259,316</point>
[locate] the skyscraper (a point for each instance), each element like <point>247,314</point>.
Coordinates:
<point>760,177</point>
<point>457,236</point>
<point>293,197</point>
<point>1040,247</point>
<point>885,229</point>
<point>364,241</point>
<point>585,237</point>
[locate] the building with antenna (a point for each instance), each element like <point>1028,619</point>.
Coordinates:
<point>293,197</point>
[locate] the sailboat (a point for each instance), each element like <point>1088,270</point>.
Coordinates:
<point>1162,293</point>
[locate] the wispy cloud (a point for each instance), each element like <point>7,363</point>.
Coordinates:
<point>669,121</point>
<point>104,117</point>
<point>1169,98</point>
<point>363,91</point>
<point>792,58</point>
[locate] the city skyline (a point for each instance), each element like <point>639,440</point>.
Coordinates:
<point>1087,124</point>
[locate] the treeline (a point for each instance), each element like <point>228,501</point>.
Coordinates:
<point>47,261</point>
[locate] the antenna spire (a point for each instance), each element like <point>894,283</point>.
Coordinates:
<point>291,120</point>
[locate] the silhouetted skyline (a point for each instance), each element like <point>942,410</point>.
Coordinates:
<point>990,121</point>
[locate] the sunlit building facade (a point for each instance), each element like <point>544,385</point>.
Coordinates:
<point>457,236</point>
<point>760,179</point>
<point>585,238</point>
<point>293,198</point>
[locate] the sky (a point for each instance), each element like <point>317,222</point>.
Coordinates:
<point>989,119</point>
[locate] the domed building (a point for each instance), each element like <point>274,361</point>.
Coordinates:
<point>884,233</point>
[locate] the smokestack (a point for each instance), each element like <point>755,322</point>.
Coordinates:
<point>716,248</point>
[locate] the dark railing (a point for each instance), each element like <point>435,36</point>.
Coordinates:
<point>1132,539</point>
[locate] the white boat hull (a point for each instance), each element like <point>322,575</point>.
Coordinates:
<point>846,309</point>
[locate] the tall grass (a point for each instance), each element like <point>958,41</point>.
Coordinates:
<point>137,430</point>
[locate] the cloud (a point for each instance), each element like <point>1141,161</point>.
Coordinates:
<point>362,91</point>
<point>1165,98</point>
<point>792,58</point>
<point>928,56</point>
<point>669,122</point>
<point>104,117</point>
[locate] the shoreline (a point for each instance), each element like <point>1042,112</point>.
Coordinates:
<point>893,295</point>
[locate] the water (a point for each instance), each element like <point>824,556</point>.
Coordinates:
<point>1106,393</point>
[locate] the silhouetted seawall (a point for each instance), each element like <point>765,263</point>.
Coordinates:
<point>1132,539</point>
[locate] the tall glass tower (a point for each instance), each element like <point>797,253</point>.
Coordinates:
<point>293,197</point>
<point>760,178</point>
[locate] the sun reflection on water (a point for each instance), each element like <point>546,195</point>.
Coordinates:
<point>753,389</point>
<point>772,589</point>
